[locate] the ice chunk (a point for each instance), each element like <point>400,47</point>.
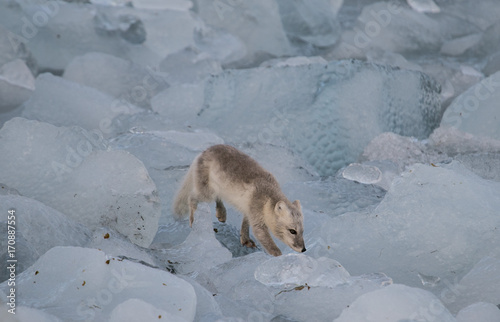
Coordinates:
<point>127,26</point>
<point>299,269</point>
<point>74,283</point>
<point>396,303</point>
<point>68,169</point>
<point>261,105</point>
<point>458,46</point>
<point>481,311</point>
<point>258,25</point>
<point>189,66</point>
<point>38,229</point>
<point>220,45</point>
<point>16,84</point>
<point>293,61</point>
<point>424,6</point>
<point>362,173</point>
<point>476,110</point>
<point>401,150</point>
<point>73,29</point>
<point>457,232</point>
<point>201,250</point>
<point>452,141</point>
<point>393,27</point>
<point>241,295</point>
<point>180,102</point>
<point>114,244</point>
<point>26,314</point>
<point>117,77</point>
<point>167,156</point>
<point>485,165</point>
<point>65,103</point>
<point>478,285</point>
<point>12,47</point>
<point>205,302</point>
<point>138,310</point>
<point>310,22</point>
<point>334,196</point>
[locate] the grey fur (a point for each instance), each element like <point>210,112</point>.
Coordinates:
<point>222,173</point>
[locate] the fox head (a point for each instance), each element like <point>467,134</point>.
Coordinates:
<point>289,226</point>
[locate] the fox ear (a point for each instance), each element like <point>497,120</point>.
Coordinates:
<point>280,207</point>
<point>296,203</point>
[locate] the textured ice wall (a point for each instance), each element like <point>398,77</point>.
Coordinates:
<point>326,112</point>
<point>71,170</point>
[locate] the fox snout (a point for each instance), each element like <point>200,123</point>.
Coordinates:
<point>303,249</point>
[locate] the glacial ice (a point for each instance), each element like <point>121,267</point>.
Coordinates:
<point>476,110</point>
<point>64,103</point>
<point>73,29</point>
<point>16,84</point>
<point>481,311</point>
<point>76,284</point>
<point>152,83</point>
<point>122,79</point>
<point>71,170</point>
<point>33,217</point>
<point>299,269</point>
<point>396,303</point>
<point>258,26</point>
<point>457,233</point>
<point>261,105</point>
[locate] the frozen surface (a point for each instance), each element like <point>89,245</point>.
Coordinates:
<point>476,110</point>
<point>396,303</point>
<point>73,29</point>
<point>362,173</point>
<point>12,48</point>
<point>258,25</point>
<point>424,6</point>
<point>480,284</point>
<point>299,269</point>
<point>389,239</point>
<point>201,250</point>
<point>311,22</point>
<point>241,295</point>
<point>120,78</point>
<point>318,114</point>
<point>16,84</point>
<point>75,284</point>
<point>189,66</point>
<point>65,103</point>
<point>70,170</point>
<point>481,311</point>
<point>33,217</point>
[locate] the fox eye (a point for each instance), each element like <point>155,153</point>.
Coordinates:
<point>292,231</point>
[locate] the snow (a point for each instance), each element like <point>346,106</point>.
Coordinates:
<point>381,117</point>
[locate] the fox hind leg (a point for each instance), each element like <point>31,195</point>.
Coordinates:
<point>193,205</point>
<point>245,234</point>
<point>220,210</point>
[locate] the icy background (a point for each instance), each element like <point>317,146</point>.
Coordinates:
<point>382,118</point>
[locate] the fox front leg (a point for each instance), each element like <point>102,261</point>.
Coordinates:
<point>245,234</point>
<point>262,234</point>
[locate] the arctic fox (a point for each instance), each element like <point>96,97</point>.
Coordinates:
<point>223,173</point>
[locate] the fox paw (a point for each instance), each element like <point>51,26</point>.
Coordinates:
<point>248,243</point>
